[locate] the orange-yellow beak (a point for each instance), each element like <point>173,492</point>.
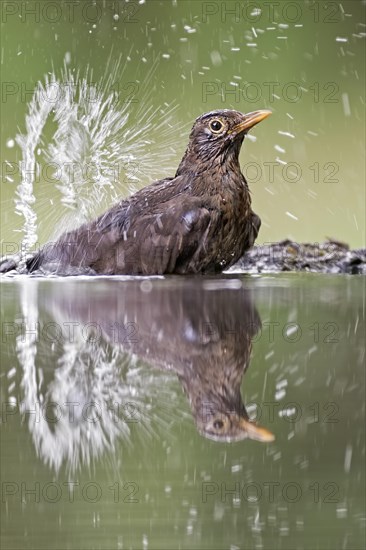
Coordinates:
<point>250,120</point>
<point>256,432</point>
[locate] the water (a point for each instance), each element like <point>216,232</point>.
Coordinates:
<point>123,377</point>
<point>77,134</point>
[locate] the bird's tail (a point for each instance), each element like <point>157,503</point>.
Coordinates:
<point>13,263</point>
<point>9,263</point>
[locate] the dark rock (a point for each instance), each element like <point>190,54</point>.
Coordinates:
<point>327,257</point>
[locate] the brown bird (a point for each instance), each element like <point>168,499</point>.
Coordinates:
<point>200,221</point>
<point>202,334</point>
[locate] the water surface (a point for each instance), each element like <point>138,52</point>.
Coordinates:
<point>123,378</point>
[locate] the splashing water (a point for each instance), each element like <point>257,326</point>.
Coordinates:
<point>97,395</point>
<point>94,153</point>
<point>35,122</point>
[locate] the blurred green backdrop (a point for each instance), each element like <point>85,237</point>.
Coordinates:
<point>302,60</point>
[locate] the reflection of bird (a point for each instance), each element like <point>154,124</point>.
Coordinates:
<point>202,334</point>
<point>199,221</point>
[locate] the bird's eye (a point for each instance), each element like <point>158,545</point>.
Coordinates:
<point>216,126</point>
<point>218,424</point>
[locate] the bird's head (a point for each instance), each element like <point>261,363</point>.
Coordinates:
<point>217,134</point>
<point>232,426</point>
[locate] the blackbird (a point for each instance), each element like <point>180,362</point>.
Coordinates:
<point>200,332</point>
<point>200,221</point>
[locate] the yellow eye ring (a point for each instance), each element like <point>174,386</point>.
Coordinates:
<point>216,126</point>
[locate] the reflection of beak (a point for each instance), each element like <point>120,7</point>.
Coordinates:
<point>250,120</point>
<point>255,432</point>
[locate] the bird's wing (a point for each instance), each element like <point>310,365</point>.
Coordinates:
<point>161,240</point>
<point>120,215</point>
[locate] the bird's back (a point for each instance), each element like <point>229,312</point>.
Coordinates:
<point>168,227</point>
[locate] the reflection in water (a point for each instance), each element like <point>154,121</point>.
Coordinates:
<point>80,364</point>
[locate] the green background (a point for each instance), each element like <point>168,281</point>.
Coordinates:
<point>178,59</point>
